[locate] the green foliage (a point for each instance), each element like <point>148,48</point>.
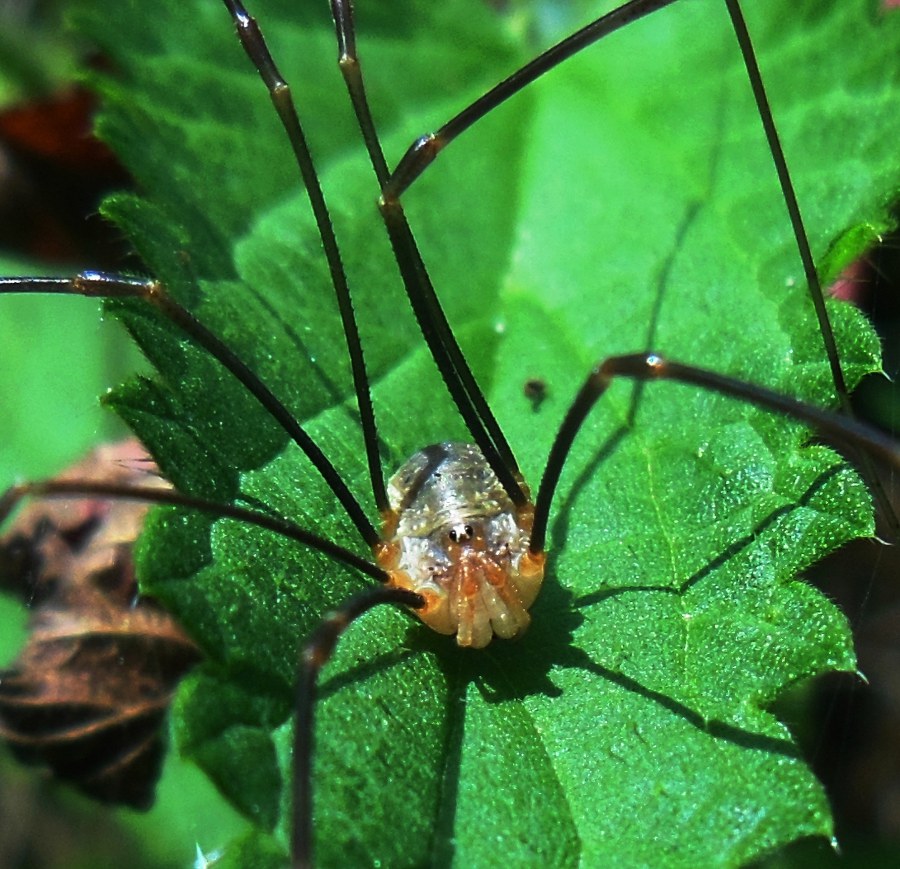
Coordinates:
<point>626,202</point>
<point>54,366</point>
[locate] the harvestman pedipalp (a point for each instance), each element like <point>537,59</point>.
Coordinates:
<point>442,344</point>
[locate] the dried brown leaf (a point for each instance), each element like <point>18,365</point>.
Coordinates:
<point>89,692</point>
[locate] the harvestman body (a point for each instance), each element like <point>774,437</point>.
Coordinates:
<point>454,537</point>
<point>462,542</point>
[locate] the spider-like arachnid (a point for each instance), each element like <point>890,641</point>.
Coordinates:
<point>636,701</point>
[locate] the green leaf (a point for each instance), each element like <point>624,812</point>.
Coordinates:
<point>625,202</point>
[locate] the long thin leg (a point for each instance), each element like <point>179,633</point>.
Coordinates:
<point>801,238</point>
<point>790,199</point>
<point>98,285</point>
<point>651,366</point>
<point>348,62</point>
<point>426,148</point>
<point>432,320</point>
<point>51,488</point>
<point>449,357</point>
<point>252,40</point>
<point>316,653</point>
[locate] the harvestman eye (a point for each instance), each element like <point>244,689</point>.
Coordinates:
<point>460,542</point>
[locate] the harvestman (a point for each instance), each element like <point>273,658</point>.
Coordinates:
<point>462,542</point>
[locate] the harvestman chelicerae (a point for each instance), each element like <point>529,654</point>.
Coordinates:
<point>478,579</point>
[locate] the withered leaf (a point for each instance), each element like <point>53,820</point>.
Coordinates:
<point>88,694</point>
